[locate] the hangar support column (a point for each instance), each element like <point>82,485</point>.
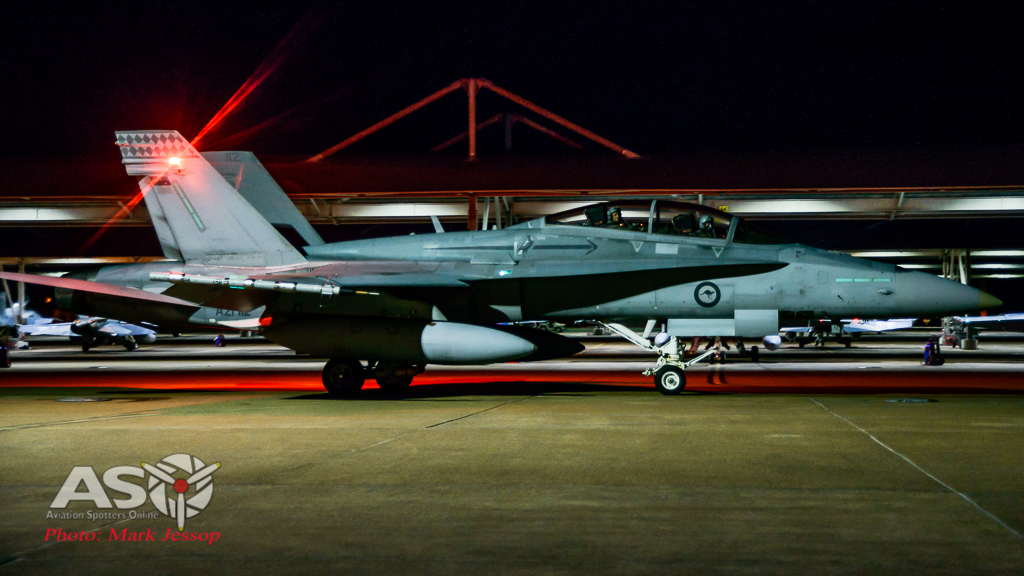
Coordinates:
<point>956,265</point>
<point>19,318</point>
<point>472,118</point>
<point>471,214</point>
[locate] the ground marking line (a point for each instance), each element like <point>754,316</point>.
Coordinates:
<point>995,518</point>
<point>96,419</point>
<point>438,424</point>
<point>381,442</point>
<point>480,412</point>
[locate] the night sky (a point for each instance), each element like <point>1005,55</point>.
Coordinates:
<point>660,78</point>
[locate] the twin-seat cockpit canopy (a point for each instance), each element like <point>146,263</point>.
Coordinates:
<point>665,217</point>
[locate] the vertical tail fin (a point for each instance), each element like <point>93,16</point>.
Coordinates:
<point>248,176</point>
<point>195,210</point>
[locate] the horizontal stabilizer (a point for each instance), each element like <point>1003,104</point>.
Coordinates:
<point>96,288</point>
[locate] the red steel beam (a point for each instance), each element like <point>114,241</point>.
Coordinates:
<point>471,214</point>
<point>570,192</point>
<point>471,88</point>
<point>555,118</point>
<point>390,120</point>
<point>479,127</point>
<point>543,130</point>
<point>69,200</point>
<point>513,118</point>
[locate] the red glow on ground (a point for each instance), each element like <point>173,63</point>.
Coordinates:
<point>715,381</point>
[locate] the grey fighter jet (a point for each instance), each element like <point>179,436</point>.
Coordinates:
<point>93,332</point>
<point>384,308</point>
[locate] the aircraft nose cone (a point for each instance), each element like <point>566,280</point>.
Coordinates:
<point>931,296</point>
<point>986,301</point>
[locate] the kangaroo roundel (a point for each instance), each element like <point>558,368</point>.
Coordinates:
<point>707,294</point>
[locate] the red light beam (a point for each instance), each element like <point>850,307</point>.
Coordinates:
<point>306,25</point>
<point>125,210</point>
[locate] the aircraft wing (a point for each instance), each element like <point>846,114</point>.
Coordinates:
<point>54,329</point>
<point>40,321</point>
<point>125,329</point>
<point>1003,321</point>
<point>121,292</point>
<point>877,325</point>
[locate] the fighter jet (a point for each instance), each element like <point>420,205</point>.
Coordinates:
<point>844,331</point>
<point>384,308</point>
<point>93,332</point>
<point>963,331</point>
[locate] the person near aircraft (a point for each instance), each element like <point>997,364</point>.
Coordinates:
<point>615,218</point>
<point>933,353</point>
<point>706,228</point>
<point>6,330</point>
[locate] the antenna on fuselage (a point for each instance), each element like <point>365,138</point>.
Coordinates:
<point>437,225</point>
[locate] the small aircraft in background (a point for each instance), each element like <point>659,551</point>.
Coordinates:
<point>93,332</point>
<point>29,317</point>
<point>962,331</point>
<point>90,332</point>
<point>13,332</point>
<point>844,332</point>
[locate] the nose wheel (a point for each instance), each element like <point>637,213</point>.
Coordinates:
<point>670,380</point>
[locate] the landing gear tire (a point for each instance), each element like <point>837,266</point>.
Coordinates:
<point>391,383</point>
<point>343,377</point>
<point>670,380</point>
<point>85,347</point>
<point>394,384</point>
<point>755,354</point>
<point>130,344</point>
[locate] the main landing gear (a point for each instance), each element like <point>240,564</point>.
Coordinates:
<point>345,378</point>
<point>669,377</point>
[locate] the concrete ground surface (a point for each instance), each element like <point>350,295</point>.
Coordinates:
<point>554,468</point>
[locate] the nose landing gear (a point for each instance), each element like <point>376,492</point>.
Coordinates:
<point>668,371</point>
